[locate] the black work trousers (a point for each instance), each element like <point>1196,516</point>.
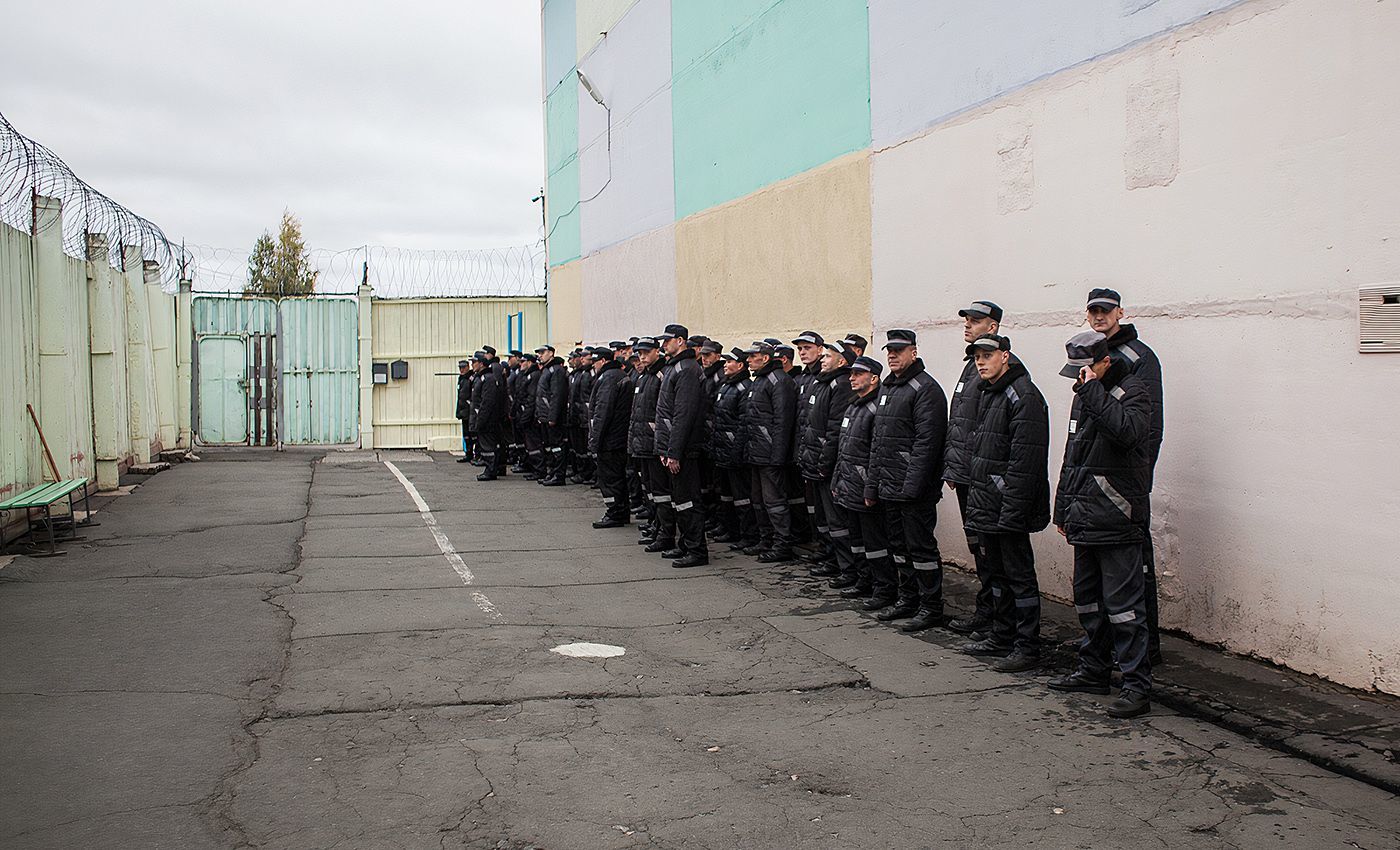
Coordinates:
<point>659,486</point>
<point>1010,565</point>
<point>738,482</point>
<point>1108,596</point>
<point>468,439</point>
<point>983,610</point>
<point>914,550</point>
<point>612,483</point>
<point>578,449</point>
<point>493,453</point>
<point>816,511</point>
<point>769,492</point>
<point>801,519</point>
<point>839,533</point>
<point>556,440</point>
<point>1149,588</point>
<point>687,506</point>
<point>533,439</point>
<point>874,535</point>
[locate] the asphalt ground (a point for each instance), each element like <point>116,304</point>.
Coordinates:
<point>267,650</point>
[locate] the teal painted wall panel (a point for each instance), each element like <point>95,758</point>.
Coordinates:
<point>320,371</point>
<point>764,90</point>
<point>559,21</point>
<point>561,126</point>
<point>564,243</point>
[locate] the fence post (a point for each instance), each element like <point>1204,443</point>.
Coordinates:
<point>139,392</point>
<point>108,380</point>
<point>184,342</point>
<point>366,303</point>
<point>162,313</point>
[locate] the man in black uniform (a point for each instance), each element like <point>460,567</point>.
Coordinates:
<point>513,431</point>
<point>610,411</point>
<point>490,415</point>
<point>464,408</point>
<point>980,317</point>
<point>728,449</point>
<point>551,413</point>
<point>1099,506</point>
<point>792,478</point>
<point>580,391</point>
<point>856,343</point>
<point>853,492</point>
<point>770,416</point>
<point>680,432</point>
<point>709,356</point>
<point>475,404</point>
<point>1105,314</point>
<point>906,464</point>
<point>809,346</point>
<point>526,400</point>
<point>1008,454</point>
<point>829,394</point>
<point>660,532</point>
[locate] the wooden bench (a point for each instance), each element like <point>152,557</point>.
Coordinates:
<point>44,497</point>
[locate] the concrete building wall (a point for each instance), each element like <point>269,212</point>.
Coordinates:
<point>1224,163</point>
<point>1237,197</point>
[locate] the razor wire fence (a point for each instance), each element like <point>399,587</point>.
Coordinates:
<point>510,272</point>
<point>29,170</point>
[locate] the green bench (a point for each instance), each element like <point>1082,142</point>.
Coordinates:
<point>44,497</point>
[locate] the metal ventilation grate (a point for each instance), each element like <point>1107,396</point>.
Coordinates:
<point>1380,318</point>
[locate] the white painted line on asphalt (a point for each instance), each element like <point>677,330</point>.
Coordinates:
<point>444,544</point>
<point>589,650</point>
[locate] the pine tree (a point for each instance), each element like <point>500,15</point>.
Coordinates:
<point>281,267</point>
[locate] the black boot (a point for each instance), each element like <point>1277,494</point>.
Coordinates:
<point>1130,703</point>
<point>1079,682</point>
<point>694,559</point>
<point>902,609</point>
<point>990,646</point>
<point>486,476</point>
<point>775,555</point>
<point>658,545</point>
<point>1018,661</point>
<point>610,522</point>
<point>879,603</point>
<point>857,591</point>
<point>673,554</point>
<point>924,619</point>
<point>969,624</point>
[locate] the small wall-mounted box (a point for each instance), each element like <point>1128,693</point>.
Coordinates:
<point>1379,311</point>
<point>398,370</point>
<point>381,373</point>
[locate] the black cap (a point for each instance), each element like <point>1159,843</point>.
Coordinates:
<point>481,357</point>
<point>712,346</point>
<point>697,340</point>
<point>601,352</point>
<point>773,341</point>
<point>1084,349</point>
<point>489,350</point>
<point>618,345</point>
<point>989,342</point>
<point>759,347</point>
<point>461,363</point>
<point>855,340</point>
<point>982,310</point>
<point>785,351</point>
<point>541,349</point>
<point>899,338</point>
<point>632,339</point>
<point>515,352</point>
<point>735,354</point>
<point>867,364</point>
<point>674,331</point>
<point>645,343</point>
<point>810,337</point>
<point>1104,298</point>
<point>532,358</point>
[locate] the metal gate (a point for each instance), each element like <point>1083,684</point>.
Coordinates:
<point>268,372</point>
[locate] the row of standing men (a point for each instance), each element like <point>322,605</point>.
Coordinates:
<point>809,449</point>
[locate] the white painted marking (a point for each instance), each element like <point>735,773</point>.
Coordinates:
<point>444,544</point>
<point>589,650</point>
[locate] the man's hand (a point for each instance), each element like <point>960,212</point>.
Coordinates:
<point>1086,375</point>
<point>951,486</point>
<point>870,503</point>
<point>1061,529</point>
<point>672,464</point>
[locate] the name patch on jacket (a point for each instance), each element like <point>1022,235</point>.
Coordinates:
<point>1073,426</point>
<point>958,388</point>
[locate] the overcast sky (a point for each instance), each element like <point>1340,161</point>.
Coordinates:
<point>415,124</point>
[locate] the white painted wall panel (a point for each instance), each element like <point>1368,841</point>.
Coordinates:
<point>596,17</point>
<point>930,59</point>
<point>1238,230</point>
<point>629,289</point>
<point>631,69</point>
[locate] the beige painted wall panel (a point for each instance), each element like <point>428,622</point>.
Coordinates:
<point>432,335</point>
<point>630,288</point>
<point>595,17</point>
<point>791,257</point>
<point>565,306</point>
<point>20,457</point>
<point>1267,195</point>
